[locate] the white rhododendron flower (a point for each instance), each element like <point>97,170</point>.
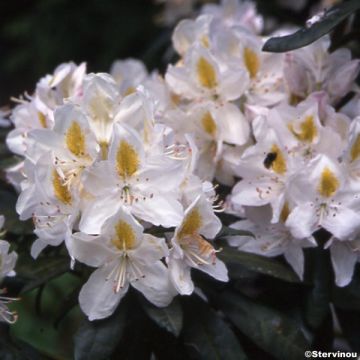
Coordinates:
<point>191,250</point>
<point>124,256</point>
<point>108,160</point>
<point>7,264</point>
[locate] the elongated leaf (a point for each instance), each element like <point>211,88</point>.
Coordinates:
<point>317,302</point>
<point>210,336</point>
<point>270,330</point>
<point>169,318</point>
<point>258,263</point>
<point>96,340</point>
<point>308,35</point>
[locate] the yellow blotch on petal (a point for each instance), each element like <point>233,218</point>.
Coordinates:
<point>75,139</point>
<point>284,212</point>
<point>191,224</point>
<point>307,131</point>
<point>61,191</point>
<point>205,41</point>
<point>130,90</point>
<point>127,159</point>
<point>355,149</point>
<point>206,73</point>
<point>124,236</point>
<point>328,184</point>
<point>208,124</point>
<point>251,61</point>
<point>42,119</point>
<point>104,148</point>
<point>279,164</point>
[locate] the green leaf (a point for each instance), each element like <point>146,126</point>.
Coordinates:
<point>228,231</point>
<point>317,306</point>
<point>42,270</point>
<point>272,331</point>
<point>308,35</point>
<point>96,340</point>
<point>350,326</point>
<point>12,222</point>
<point>348,297</point>
<point>169,318</point>
<point>209,335</point>
<point>259,264</point>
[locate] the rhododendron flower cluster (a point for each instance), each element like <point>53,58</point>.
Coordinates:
<point>113,160</point>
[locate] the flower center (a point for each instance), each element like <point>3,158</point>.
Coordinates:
<point>279,162</point>
<point>124,236</point>
<point>328,184</point>
<point>307,131</point>
<point>251,61</point>
<point>127,160</point>
<point>42,119</point>
<point>61,191</point>
<point>355,149</point>
<point>206,73</point>
<point>75,140</point>
<point>208,124</point>
<point>191,224</point>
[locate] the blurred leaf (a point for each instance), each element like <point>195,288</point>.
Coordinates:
<point>258,263</point>
<point>38,330</point>
<point>169,318</point>
<point>348,297</point>
<point>207,333</point>
<point>228,231</point>
<point>308,35</point>
<point>96,340</point>
<point>350,325</point>
<point>12,222</point>
<point>317,305</point>
<point>42,270</point>
<point>269,329</point>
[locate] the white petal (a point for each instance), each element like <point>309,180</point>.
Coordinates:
<point>97,297</point>
<point>302,221</point>
<point>295,257</point>
<point>180,275</point>
<point>343,260</point>
<point>156,286</point>
<point>217,270</point>
<point>37,247</point>
<point>88,249</point>
<point>235,128</point>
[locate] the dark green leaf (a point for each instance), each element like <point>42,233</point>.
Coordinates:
<point>42,270</point>
<point>350,325</point>
<point>209,335</point>
<point>308,35</point>
<point>317,303</point>
<point>348,297</point>
<point>228,231</point>
<point>258,263</point>
<point>269,329</point>
<point>96,340</point>
<point>169,318</point>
